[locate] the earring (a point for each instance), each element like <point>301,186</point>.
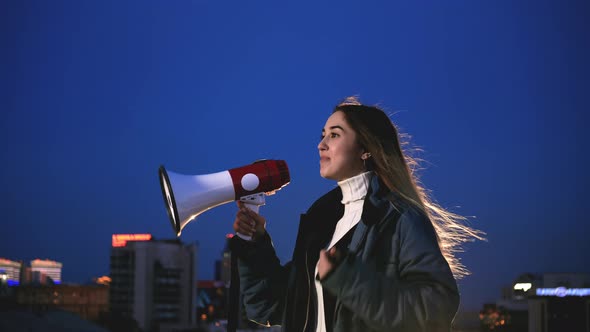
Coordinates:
<point>364,158</point>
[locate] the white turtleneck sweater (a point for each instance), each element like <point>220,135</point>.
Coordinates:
<point>354,190</point>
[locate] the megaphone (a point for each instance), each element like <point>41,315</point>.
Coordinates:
<point>188,196</point>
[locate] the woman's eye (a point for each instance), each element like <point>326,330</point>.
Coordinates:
<point>331,135</point>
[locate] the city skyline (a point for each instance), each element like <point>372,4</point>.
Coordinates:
<point>96,96</point>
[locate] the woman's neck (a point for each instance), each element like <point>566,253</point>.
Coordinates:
<point>355,188</point>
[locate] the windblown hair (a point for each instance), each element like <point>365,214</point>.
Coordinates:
<point>378,135</point>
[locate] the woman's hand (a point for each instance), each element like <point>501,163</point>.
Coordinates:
<point>249,222</point>
<point>328,261</point>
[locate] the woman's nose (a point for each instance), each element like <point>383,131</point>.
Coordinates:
<point>322,145</point>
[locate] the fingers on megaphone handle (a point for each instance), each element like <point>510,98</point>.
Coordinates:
<point>245,224</point>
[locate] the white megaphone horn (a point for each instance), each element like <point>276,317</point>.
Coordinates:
<point>187,196</point>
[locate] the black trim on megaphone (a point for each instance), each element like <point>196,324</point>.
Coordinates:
<point>173,215</point>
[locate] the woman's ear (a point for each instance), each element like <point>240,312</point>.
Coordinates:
<point>366,155</point>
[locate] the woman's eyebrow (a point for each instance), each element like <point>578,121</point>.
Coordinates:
<point>334,127</point>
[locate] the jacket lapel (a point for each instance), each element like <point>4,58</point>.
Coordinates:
<point>376,208</point>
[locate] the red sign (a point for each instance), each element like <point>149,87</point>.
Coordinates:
<point>120,240</point>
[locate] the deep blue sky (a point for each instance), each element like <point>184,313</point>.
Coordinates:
<point>95,95</point>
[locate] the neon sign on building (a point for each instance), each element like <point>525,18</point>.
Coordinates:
<point>562,291</point>
<point>120,240</point>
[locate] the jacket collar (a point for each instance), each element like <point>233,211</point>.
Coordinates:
<point>378,202</point>
<point>318,224</point>
<point>378,207</point>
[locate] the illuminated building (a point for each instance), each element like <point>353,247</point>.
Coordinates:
<point>12,270</point>
<point>153,281</point>
<point>550,302</point>
<point>211,300</point>
<point>104,280</point>
<point>560,303</point>
<point>88,301</point>
<point>46,268</point>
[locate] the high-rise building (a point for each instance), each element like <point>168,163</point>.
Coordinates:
<point>12,270</point>
<point>153,281</point>
<point>42,268</point>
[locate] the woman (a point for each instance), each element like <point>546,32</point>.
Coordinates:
<point>374,254</point>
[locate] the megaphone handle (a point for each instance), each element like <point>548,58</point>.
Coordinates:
<point>252,202</point>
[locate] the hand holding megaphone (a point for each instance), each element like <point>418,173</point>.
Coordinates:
<point>248,224</point>
<point>187,196</point>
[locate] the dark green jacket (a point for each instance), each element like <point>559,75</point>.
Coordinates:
<point>393,276</point>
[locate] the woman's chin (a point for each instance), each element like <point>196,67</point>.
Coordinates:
<point>326,175</point>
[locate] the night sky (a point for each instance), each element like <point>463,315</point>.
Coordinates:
<point>96,95</point>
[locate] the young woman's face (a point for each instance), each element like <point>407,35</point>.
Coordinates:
<point>340,154</point>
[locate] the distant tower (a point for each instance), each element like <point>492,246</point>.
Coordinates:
<point>153,281</point>
<point>46,268</point>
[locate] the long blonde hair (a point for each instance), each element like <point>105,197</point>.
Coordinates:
<point>378,135</point>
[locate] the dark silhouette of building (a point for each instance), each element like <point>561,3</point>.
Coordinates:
<point>87,301</point>
<point>549,302</point>
<point>153,281</point>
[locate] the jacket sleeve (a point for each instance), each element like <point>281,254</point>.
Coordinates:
<point>424,297</point>
<point>263,281</point>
